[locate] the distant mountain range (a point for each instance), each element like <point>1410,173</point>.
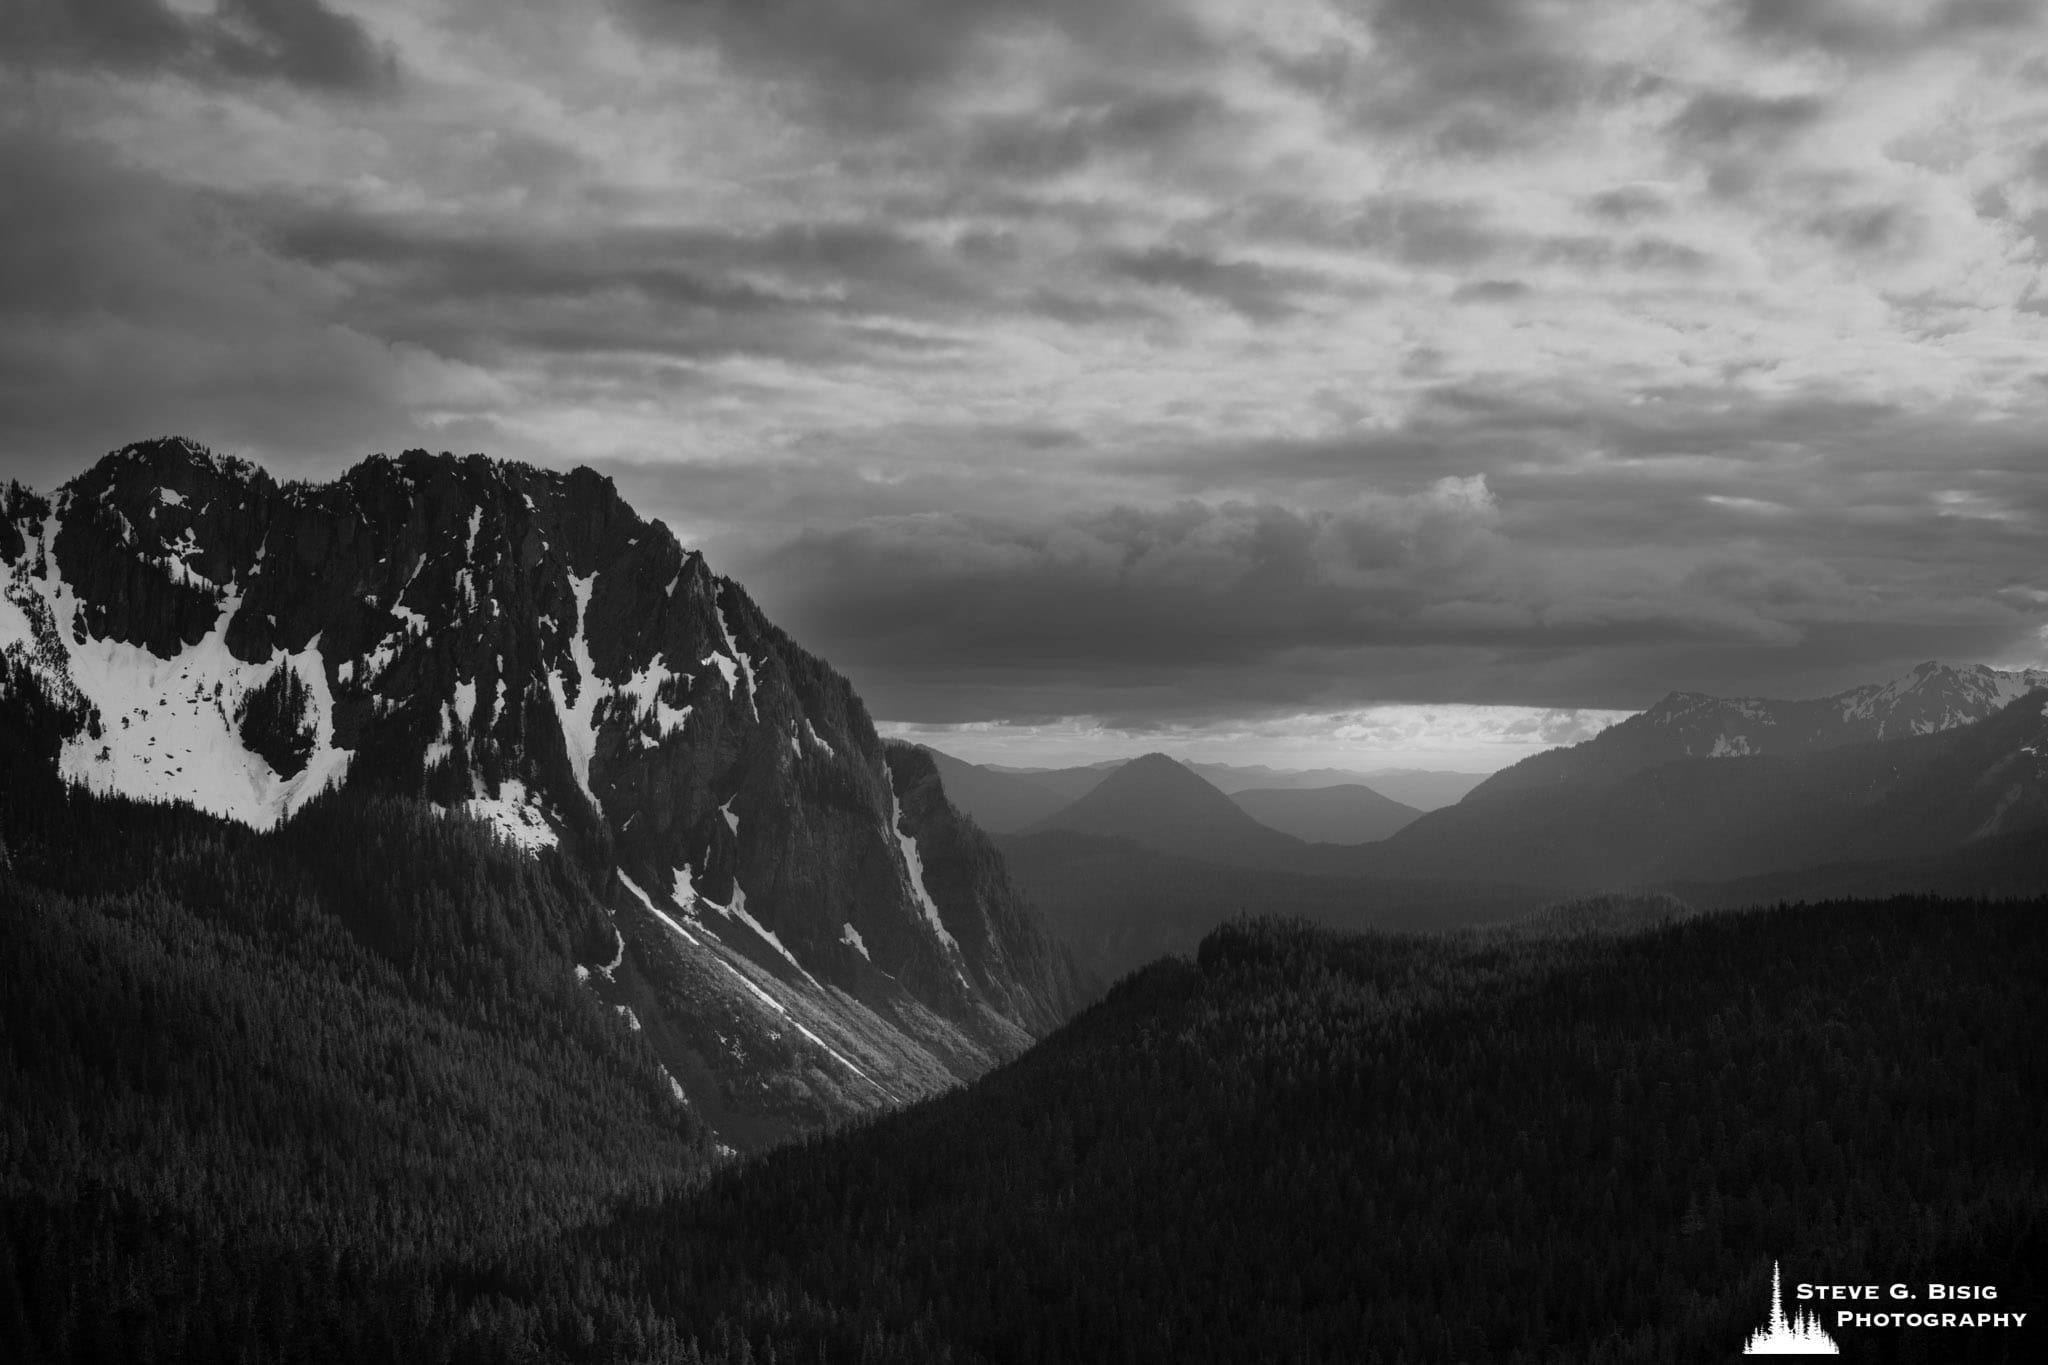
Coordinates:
<point>1932,698</point>
<point>1935,782</point>
<point>1159,804</point>
<point>1422,788</point>
<point>804,926</point>
<point>1333,805</point>
<point>1120,905</point>
<point>1964,760</point>
<point>1348,814</point>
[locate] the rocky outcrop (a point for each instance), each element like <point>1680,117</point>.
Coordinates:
<point>805,923</point>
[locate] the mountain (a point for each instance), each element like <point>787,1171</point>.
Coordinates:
<point>803,927</point>
<point>1001,802</point>
<point>1933,697</point>
<point>1157,803</point>
<point>1120,906</point>
<point>1348,814</point>
<point>1069,784</point>
<point>1418,787</point>
<point>1717,819</point>
<point>323,1093</point>
<point>2013,865</point>
<point>1422,788</point>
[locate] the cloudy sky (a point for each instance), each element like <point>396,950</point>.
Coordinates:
<point>1367,380</point>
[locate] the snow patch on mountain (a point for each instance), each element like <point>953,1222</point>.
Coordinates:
<point>850,936</point>
<point>644,690</point>
<point>752,987</point>
<point>746,664</point>
<point>913,865</point>
<point>514,818</point>
<point>169,729</point>
<point>675,1088</point>
<point>812,735</point>
<point>579,732</point>
<point>727,670</point>
<point>655,911</point>
<point>737,911</point>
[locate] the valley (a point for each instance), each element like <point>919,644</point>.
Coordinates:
<point>448,921</point>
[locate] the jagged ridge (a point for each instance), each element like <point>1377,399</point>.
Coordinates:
<point>519,644</point>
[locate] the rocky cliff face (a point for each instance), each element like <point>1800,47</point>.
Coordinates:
<point>804,925</point>
<point>1932,698</point>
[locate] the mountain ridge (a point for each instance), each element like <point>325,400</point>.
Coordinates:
<point>1934,696</point>
<point>1350,813</point>
<point>1158,802</point>
<point>518,644</point>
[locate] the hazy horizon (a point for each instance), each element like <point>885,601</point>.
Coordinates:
<point>1441,739</point>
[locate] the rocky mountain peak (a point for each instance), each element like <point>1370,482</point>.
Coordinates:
<point>518,645</point>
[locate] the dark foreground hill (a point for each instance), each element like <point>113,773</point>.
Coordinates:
<point>265,1095</point>
<point>1311,1147</point>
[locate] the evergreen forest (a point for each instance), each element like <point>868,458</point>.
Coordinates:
<point>333,1093</point>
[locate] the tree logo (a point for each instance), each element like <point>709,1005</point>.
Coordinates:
<point>1799,1335</point>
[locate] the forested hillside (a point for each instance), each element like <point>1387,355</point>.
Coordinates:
<point>287,1096</point>
<point>333,1093</point>
<point>1308,1146</point>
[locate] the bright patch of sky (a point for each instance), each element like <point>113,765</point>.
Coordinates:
<point>1471,739</point>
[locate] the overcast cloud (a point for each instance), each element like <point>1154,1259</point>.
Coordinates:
<point>1085,367</point>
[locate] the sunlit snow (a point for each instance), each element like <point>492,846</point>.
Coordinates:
<point>516,822</point>
<point>170,727</point>
<point>644,689</point>
<point>746,664</point>
<point>579,736</point>
<point>914,865</point>
<point>655,910</point>
<point>675,1086</point>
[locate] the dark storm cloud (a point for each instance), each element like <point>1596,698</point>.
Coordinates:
<point>130,306</point>
<point>1260,293</point>
<point>1413,229</point>
<point>1718,118</point>
<point>877,59</point>
<point>1033,357</point>
<point>822,292</point>
<point>1869,27</point>
<point>1087,124</point>
<point>1785,549</point>
<point>302,42</point>
<point>1469,78</point>
<point>1629,203</point>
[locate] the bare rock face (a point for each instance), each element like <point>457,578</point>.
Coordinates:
<point>805,926</point>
